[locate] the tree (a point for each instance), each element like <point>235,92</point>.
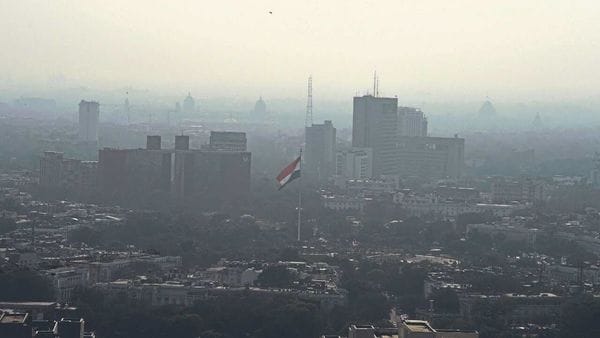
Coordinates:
<point>275,276</point>
<point>24,285</point>
<point>446,301</point>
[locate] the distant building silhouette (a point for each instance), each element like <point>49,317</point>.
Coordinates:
<point>89,114</point>
<point>487,109</point>
<point>260,107</point>
<point>227,141</point>
<point>189,104</point>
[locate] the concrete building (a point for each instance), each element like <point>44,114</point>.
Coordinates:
<point>506,190</point>
<point>135,175</point>
<point>192,177</point>
<point>543,308</point>
<point>319,153</point>
<point>422,329</point>
<point>405,329</point>
<point>227,141</point>
<point>430,157</point>
<point>361,331</point>
<point>182,142</point>
<point>15,325</point>
<point>153,142</point>
<point>89,115</point>
<point>345,203</point>
<point>431,206</point>
<point>375,125</point>
<point>508,232</point>
<point>354,163</point>
<point>211,178</point>
<point>66,279</point>
<point>66,177</point>
<point>412,122</point>
<point>51,169</point>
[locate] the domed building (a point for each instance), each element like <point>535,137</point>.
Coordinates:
<point>189,105</point>
<point>487,109</point>
<point>260,107</point>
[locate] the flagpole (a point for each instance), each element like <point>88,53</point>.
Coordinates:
<point>299,209</point>
<point>300,199</point>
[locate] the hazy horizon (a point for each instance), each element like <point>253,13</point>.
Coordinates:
<point>461,51</point>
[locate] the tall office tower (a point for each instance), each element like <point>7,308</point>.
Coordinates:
<point>319,153</point>
<point>89,114</point>
<point>227,141</point>
<point>375,125</point>
<point>412,122</point>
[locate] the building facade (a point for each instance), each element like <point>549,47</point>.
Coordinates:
<point>375,125</point>
<point>431,157</point>
<point>412,122</point>
<point>89,115</point>
<point>66,177</point>
<point>227,141</point>
<point>182,176</point>
<point>354,163</point>
<point>320,151</point>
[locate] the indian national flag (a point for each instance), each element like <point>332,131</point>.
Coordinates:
<point>289,173</point>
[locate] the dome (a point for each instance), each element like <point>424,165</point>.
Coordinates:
<point>260,107</point>
<point>189,105</point>
<point>487,109</point>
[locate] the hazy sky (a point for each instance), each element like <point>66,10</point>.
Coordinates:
<point>440,49</point>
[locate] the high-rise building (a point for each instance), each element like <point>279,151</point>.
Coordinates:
<point>431,157</point>
<point>89,114</point>
<point>354,163</point>
<point>66,177</point>
<point>51,169</point>
<point>211,179</point>
<point>412,122</point>
<point>187,177</point>
<point>134,175</point>
<point>319,153</point>
<point>375,125</point>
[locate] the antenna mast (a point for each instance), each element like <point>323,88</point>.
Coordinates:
<point>309,106</point>
<point>375,84</point>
